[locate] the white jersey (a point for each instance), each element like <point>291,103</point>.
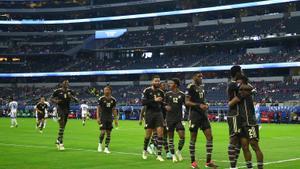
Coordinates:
<point>46,111</point>
<point>257,111</point>
<point>54,111</point>
<point>13,107</point>
<point>84,109</point>
<point>34,108</point>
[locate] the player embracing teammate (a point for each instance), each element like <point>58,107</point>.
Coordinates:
<point>243,127</point>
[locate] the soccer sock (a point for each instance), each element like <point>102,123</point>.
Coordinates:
<point>249,164</point>
<point>154,139</point>
<point>237,153</point>
<point>209,148</point>
<point>45,122</point>
<point>12,122</point>
<point>107,140</point>
<point>260,165</point>
<point>60,135</point>
<point>232,155</point>
<point>41,126</point>
<point>101,138</point>
<point>181,144</point>
<point>159,145</point>
<point>146,142</point>
<point>165,142</point>
<point>192,150</point>
<point>171,145</point>
<point>16,123</point>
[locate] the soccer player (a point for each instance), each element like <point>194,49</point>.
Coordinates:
<point>257,114</point>
<point>153,143</point>
<point>13,108</point>
<point>63,97</point>
<point>175,100</point>
<point>41,109</point>
<point>105,110</point>
<point>84,112</point>
<point>164,88</point>
<point>195,100</point>
<point>46,114</point>
<point>54,114</point>
<point>153,98</point>
<point>233,116</point>
<point>249,128</point>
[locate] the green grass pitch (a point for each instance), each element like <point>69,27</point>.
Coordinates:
<point>26,148</point>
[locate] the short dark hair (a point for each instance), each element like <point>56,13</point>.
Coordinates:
<point>109,87</point>
<point>155,76</point>
<point>234,70</point>
<point>176,81</point>
<point>196,73</point>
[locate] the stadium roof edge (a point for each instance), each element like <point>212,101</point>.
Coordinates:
<point>145,15</point>
<point>150,71</point>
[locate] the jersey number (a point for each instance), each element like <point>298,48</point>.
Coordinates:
<point>252,132</point>
<point>201,95</point>
<point>175,100</point>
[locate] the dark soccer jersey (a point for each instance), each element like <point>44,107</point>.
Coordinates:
<point>42,107</point>
<point>175,100</point>
<point>148,100</point>
<point>232,91</point>
<point>107,105</point>
<point>65,97</point>
<point>247,111</point>
<point>197,95</point>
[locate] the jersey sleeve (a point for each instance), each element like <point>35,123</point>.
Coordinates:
<point>189,90</point>
<point>114,103</point>
<point>100,101</point>
<point>232,90</point>
<point>55,94</point>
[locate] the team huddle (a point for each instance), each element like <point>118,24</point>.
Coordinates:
<point>162,113</point>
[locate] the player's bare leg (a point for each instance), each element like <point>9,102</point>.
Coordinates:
<point>259,155</point>
<point>247,153</point>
